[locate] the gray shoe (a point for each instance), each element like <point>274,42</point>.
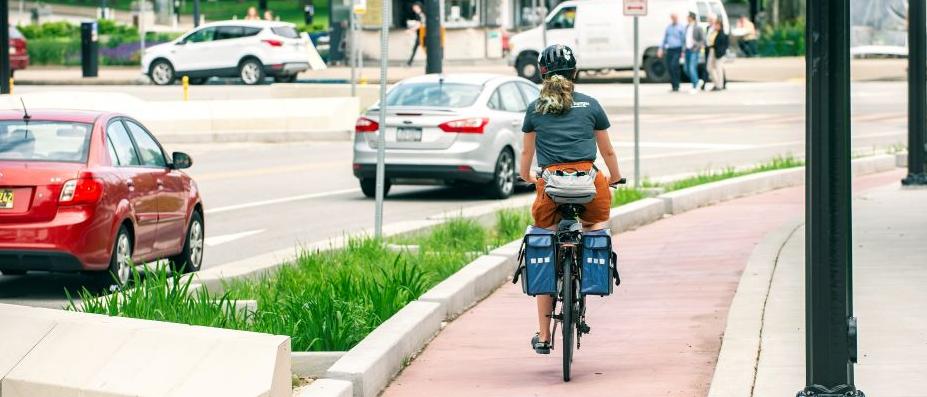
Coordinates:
<point>538,346</point>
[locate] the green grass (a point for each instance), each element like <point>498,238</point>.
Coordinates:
<point>324,301</point>
<point>777,163</point>
<point>624,195</point>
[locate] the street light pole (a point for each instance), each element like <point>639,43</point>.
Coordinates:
<point>637,106</point>
<point>830,328</point>
<point>381,135</point>
<point>433,46</point>
<point>196,13</point>
<point>917,93</point>
<point>4,47</point>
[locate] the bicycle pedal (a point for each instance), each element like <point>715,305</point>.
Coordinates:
<point>584,328</point>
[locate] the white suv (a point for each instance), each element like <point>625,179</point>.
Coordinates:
<point>251,50</point>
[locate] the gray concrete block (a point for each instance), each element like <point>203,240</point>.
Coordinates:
<point>375,360</point>
<point>327,388</point>
<point>18,336</point>
<point>633,215</point>
<point>699,196</point>
<point>873,164</point>
<point>313,364</point>
<point>91,355</point>
<point>468,285</point>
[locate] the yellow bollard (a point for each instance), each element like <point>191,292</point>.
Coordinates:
<point>11,86</point>
<point>186,88</point>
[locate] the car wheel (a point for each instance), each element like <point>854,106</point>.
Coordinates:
<point>191,258</point>
<point>119,271</point>
<point>369,187</point>
<point>12,272</point>
<point>285,79</point>
<point>162,72</point>
<point>503,182</point>
<point>655,69</point>
<point>251,71</point>
<point>527,67</point>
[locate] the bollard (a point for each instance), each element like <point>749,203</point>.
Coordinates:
<point>186,88</point>
<point>11,86</point>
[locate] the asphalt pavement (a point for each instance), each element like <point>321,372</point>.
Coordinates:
<point>265,197</point>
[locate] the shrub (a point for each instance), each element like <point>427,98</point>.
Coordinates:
<point>54,51</point>
<point>787,39</point>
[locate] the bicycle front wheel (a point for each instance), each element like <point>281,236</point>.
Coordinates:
<point>569,305</point>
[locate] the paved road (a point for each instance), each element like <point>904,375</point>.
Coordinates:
<point>266,197</point>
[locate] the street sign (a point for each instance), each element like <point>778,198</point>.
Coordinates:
<point>635,8</point>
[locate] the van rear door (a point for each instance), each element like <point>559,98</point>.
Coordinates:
<point>601,38</point>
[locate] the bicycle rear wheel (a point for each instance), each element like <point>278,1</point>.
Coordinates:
<point>569,305</point>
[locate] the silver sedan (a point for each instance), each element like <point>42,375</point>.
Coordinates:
<point>447,130</point>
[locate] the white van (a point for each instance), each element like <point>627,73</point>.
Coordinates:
<point>603,38</point>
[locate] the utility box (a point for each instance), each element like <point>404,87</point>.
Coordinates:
<point>89,49</point>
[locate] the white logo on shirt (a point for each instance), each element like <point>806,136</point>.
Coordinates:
<point>580,104</point>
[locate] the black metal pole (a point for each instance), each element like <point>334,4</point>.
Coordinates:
<point>262,6</point>
<point>4,47</point>
<point>433,47</point>
<point>754,9</point>
<point>830,336</point>
<point>196,13</point>
<point>917,92</point>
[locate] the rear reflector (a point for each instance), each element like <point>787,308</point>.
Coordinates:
<point>474,125</point>
<point>464,168</point>
<point>273,43</point>
<point>366,125</point>
<point>81,191</point>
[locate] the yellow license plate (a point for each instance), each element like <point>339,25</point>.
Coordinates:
<point>6,199</point>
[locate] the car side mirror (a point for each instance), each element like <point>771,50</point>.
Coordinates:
<point>182,160</point>
<point>182,42</point>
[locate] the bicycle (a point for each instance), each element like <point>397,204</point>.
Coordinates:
<point>568,240</point>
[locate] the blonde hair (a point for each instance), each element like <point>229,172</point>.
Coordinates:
<point>556,95</point>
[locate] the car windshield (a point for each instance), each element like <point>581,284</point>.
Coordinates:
<point>285,31</point>
<point>452,95</point>
<point>44,141</point>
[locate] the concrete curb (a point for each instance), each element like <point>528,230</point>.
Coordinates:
<point>327,388</point>
<point>469,285</point>
<point>375,360</point>
<point>636,214</point>
<point>313,364</point>
<point>735,371</point>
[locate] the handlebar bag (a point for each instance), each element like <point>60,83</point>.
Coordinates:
<point>597,263</point>
<point>538,268</point>
<point>570,187</point>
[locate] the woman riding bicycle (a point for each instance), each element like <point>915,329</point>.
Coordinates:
<point>564,128</point>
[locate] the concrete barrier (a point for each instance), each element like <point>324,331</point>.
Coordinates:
<point>371,364</point>
<point>61,353</point>
<point>327,388</point>
<point>313,364</point>
<point>233,120</point>
<point>368,94</point>
<point>469,285</point>
<point>636,214</point>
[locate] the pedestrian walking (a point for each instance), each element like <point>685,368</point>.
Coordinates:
<point>674,38</point>
<point>747,31</point>
<point>309,12</point>
<point>717,48</point>
<point>252,14</point>
<point>695,42</point>
<point>416,25</point>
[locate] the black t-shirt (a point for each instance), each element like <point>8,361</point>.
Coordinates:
<point>568,137</point>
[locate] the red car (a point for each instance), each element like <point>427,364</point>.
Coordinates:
<point>19,57</point>
<point>93,191</point>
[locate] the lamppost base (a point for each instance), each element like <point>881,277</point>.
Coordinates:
<point>915,180</point>
<point>839,391</point>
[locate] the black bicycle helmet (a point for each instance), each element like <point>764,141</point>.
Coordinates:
<point>557,59</point>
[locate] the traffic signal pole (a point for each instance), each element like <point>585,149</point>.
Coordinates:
<point>4,47</point>
<point>196,13</point>
<point>917,93</point>
<point>830,328</point>
<point>434,48</point>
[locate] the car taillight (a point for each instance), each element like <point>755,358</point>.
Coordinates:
<point>273,43</point>
<point>366,125</point>
<point>466,126</point>
<point>81,191</point>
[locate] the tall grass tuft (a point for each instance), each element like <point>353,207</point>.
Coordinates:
<point>511,223</point>
<point>624,195</point>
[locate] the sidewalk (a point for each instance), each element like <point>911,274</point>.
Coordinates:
<point>889,278</point>
<point>658,335</point>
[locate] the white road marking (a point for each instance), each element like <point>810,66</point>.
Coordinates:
<point>279,201</point>
<point>227,238</point>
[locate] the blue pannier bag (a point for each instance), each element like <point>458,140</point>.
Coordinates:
<point>598,264</point>
<point>538,263</point>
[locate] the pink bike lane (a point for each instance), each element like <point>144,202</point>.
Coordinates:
<point>658,335</point>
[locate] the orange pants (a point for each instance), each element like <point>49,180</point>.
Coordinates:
<point>544,210</point>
